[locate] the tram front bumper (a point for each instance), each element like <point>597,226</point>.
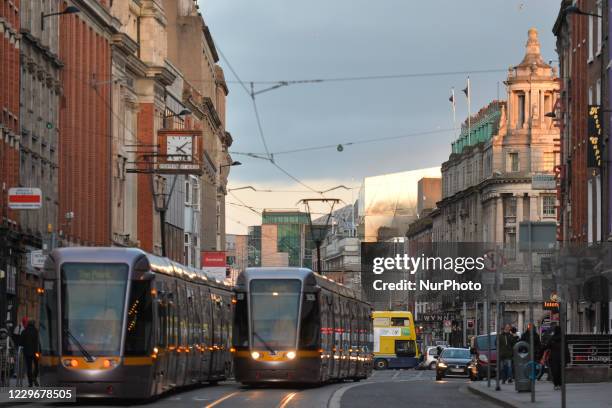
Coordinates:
<point>300,370</point>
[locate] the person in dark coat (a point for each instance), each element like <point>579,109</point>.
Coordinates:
<point>31,348</point>
<point>536,341</point>
<point>554,345</point>
<point>506,351</point>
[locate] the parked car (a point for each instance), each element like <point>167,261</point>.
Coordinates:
<point>480,350</point>
<point>430,359</point>
<point>455,362</point>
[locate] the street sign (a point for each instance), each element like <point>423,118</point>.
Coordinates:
<point>37,259</point>
<point>543,236</point>
<point>29,198</point>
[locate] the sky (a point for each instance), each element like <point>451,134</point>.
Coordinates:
<point>275,40</point>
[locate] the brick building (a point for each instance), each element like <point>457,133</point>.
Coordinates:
<point>581,53</point>
<point>10,236</point>
<point>84,123</point>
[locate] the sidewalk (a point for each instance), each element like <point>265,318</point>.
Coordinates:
<point>594,395</point>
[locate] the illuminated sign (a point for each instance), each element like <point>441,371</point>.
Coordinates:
<point>594,137</point>
<point>549,305</point>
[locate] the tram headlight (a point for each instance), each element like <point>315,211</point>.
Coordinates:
<point>72,363</point>
<point>255,355</point>
<point>108,363</point>
<point>291,355</point>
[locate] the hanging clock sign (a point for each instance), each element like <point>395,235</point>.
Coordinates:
<point>180,152</point>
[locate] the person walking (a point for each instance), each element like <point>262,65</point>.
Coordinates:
<point>526,337</point>
<point>7,348</point>
<point>554,346</point>
<point>506,345</point>
<point>31,348</point>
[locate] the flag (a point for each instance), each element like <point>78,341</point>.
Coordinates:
<point>466,91</point>
<point>451,99</point>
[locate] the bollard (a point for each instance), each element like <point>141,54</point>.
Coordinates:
<point>520,359</point>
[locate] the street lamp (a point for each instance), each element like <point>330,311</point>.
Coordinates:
<point>234,163</point>
<point>576,10</point>
<point>183,112</point>
<point>67,10</point>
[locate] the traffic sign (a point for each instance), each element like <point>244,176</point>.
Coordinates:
<point>26,198</point>
<point>37,259</point>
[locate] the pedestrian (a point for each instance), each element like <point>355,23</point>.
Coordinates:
<point>506,351</point>
<point>554,346</point>
<point>31,348</point>
<point>7,349</point>
<point>19,330</point>
<point>531,330</point>
<point>456,337</point>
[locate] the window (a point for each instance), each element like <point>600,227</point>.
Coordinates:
<point>599,28</point>
<point>511,284</point>
<point>196,195</point>
<point>513,162</point>
<point>590,96</point>
<point>598,92</point>
<point>548,161</point>
<point>549,206</point>
<point>405,348</point>
<point>590,41</point>
<point>521,111</point>
<point>139,320</point>
<point>400,322</point>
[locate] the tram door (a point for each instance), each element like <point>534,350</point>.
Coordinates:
<point>206,331</point>
<point>167,330</point>
<point>337,336</point>
<point>217,335</point>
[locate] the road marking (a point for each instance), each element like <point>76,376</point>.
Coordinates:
<point>220,400</point>
<point>395,375</point>
<point>336,398</point>
<point>286,399</point>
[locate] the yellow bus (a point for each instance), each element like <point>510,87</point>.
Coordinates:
<point>394,340</point>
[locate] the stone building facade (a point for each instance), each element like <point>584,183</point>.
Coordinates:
<point>490,182</point>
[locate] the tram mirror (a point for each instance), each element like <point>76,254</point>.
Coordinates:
<point>148,275</point>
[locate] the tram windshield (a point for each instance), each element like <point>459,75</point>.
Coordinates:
<point>93,297</point>
<point>275,307</point>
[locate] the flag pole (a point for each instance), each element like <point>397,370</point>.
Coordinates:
<point>469,97</point>
<point>454,110</point>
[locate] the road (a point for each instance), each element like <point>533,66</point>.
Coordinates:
<point>391,388</point>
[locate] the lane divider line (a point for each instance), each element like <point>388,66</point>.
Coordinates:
<point>220,400</point>
<point>286,399</point>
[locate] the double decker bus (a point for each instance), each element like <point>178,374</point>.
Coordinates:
<point>394,340</point>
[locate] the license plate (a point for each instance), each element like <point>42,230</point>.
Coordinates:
<point>457,370</point>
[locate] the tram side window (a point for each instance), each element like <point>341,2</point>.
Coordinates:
<point>241,322</point>
<point>310,325</point>
<point>139,320</point>
<point>399,322</point>
<point>48,319</point>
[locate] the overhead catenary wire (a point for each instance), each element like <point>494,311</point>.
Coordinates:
<point>268,156</point>
<point>375,77</point>
<point>349,143</point>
